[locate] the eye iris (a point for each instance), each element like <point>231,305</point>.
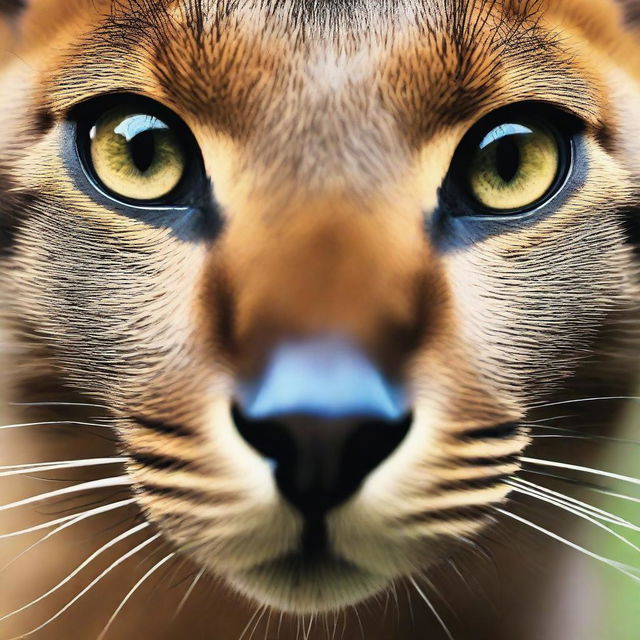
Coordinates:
<point>514,166</point>
<point>136,155</point>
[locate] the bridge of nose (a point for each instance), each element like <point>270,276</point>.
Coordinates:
<point>316,265</point>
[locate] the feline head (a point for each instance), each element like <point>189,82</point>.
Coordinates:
<point>319,261</point>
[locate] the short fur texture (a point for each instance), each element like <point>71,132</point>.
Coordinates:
<point>326,129</point>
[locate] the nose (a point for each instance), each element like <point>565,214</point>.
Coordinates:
<point>325,417</point>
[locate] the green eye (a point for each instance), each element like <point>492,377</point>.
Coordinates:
<point>136,155</point>
<point>514,166</point>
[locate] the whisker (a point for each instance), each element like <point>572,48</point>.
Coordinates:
<point>70,521</point>
<point>595,511</point>
<point>584,485</point>
<point>55,423</point>
<point>560,417</point>
<point>253,617</point>
<point>581,400</point>
<point>431,607</point>
<point>619,566</point>
<point>78,569</point>
<point>17,470</point>
<point>573,467</point>
<point>187,595</point>
<point>58,404</point>
<point>577,435</point>
<point>576,512</point>
<point>104,573</point>
<point>135,587</point>
<point>84,486</point>
<point>258,621</point>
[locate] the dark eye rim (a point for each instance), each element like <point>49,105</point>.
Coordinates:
<point>85,115</point>
<point>456,195</point>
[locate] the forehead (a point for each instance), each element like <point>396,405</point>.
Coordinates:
<point>252,64</point>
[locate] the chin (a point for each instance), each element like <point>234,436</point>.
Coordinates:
<point>306,586</point>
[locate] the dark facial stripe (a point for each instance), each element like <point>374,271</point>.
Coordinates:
<point>14,205</point>
<point>488,462</point>
<point>179,431</point>
<point>472,514</point>
<point>472,485</point>
<point>159,462</point>
<point>194,496</point>
<point>496,432</point>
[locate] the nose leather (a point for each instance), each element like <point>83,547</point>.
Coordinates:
<point>326,417</point>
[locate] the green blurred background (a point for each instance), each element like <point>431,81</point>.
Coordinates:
<point>620,619</point>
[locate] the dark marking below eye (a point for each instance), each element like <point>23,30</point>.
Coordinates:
<point>159,426</point>
<point>496,432</point>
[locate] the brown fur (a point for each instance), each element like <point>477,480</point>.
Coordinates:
<point>327,130</point>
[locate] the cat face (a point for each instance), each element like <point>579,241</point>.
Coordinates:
<point>318,262</point>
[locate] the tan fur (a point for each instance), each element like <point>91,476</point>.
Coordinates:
<point>327,132</point>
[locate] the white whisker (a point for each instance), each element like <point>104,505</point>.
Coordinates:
<point>581,400</point>
<point>69,522</point>
<point>187,595</point>
<point>119,481</point>
<point>104,573</point>
<point>596,488</point>
<point>58,404</point>
<point>54,423</point>
<point>258,621</point>
<point>432,608</point>
<point>135,587</point>
<point>623,568</point>
<point>17,470</point>
<point>572,434</point>
<point>79,568</point>
<point>573,467</point>
<point>253,617</point>
<point>594,511</point>
<point>577,512</point>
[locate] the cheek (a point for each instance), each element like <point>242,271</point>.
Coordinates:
<point>117,304</point>
<point>526,307</point>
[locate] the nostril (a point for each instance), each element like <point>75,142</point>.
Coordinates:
<point>319,462</point>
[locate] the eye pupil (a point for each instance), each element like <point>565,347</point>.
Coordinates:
<point>142,149</point>
<point>508,158</point>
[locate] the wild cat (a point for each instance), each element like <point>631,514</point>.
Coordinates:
<point>294,294</point>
